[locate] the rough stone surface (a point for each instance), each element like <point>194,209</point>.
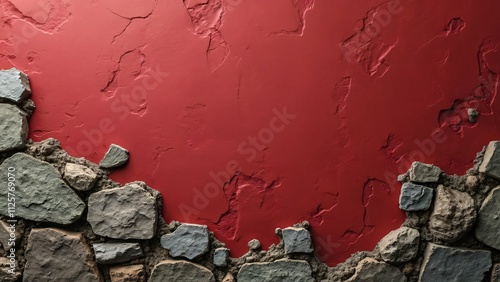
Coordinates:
<point>128,212</point>
<point>57,255</point>
<point>5,275</point>
<point>79,177</point>
<point>491,160</point>
<point>495,273</point>
<point>370,269</point>
<point>13,128</point>
<point>14,85</point>
<point>443,263</point>
<point>254,245</point>
<point>415,197</point>
<point>281,270</point>
<point>488,222</point>
<point>424,173</point>
<point>453,214</point>
<point>5,234</point>
<point>297,240</point>
<point>128,273</point>
<point>221,255</point>
<point>111,253</point>
<point>188,240</point>
<point>115,157</point>
<point>174,271</point>
<point>28,106</point>
<point>228,278</point>
<point>40,194</point>
<point>400,245</point>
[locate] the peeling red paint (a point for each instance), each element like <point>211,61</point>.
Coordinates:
<point>197,91</point>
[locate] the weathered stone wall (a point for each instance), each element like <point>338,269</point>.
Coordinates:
<point>67,221</point>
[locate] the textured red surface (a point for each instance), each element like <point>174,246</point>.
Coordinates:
<point>195,89</point>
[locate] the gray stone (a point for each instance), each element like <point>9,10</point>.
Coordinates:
<point>79,177</point>
<point>128,212</point>
<point>111,253</point>
<point>443,263</point>
<point>58,255</point>
<point>369,270</point>
<point>424,173</point>
<point>453,214</point>
<point>174,271</point>
<point>228,278</point>
<point>28,106</point>
<point>254,245</point>
<point>8,234</point>
<point>400,245</point>
<point>13,127</point>
<point>127,273</point>
<point>495,273</point>
<point>6,272</point>
<point>473,115</point>
<point>297,240</point>
<point>14,85</point>
<point>221,255</point>
<point>115,157</point>
<point>281,270</point>
<point>188,240</point>
<point>491,160</point>
<point>415,197</point>
<point>40,193</point>
<point>488,222</point>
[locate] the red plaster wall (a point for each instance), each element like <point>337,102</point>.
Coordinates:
<point>192,88</point>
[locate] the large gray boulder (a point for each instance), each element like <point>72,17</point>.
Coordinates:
<point>128,212</point>
<point>13,128</point>
<point>424,173</point>
<point>57,255</point>
<point>297,240</point>
<point>370,269</point>
<point>400,245</point>
<point>14,86</point>
<point>112,253</point>
<point>491,160</point>
<point>175,271</point>
<point>40,193</point>
<point>415,197</point>
<point>188,240</point>
<point>443,263</point>
<point>281,270</point>
<point>453,214</point>
<point>488,222</point>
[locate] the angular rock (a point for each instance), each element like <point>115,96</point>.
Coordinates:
<point>28,106</point>
<point>128,212</point>
<point>58,255</point>
<point>79,177</point>
<point>443,263</point>
<point>297,240</point>
<point>8,233</point>
<point>188,240</point>
<point>491,160</point>
<point>14,85</point>
<point>221,255</point>
<point>40,193</point>
<point>6,272</point>
<point>370,269</point>
<point>254,245</point>
<point>111,253</point>
<point>228,278</point>
<point>453,214</point>
<point>415,197</point>
<point>424,173</point>
<point>115,157</point>
<point>13,127</point>
<point>488,222</point>
<point>400,245</point>
<point>495,273</point>
<point>281,270</point>
<point>128,273</point>
<point>174,271</point>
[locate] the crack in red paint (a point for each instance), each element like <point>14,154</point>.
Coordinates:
<point>302,7</point>
<point>481,99</point>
